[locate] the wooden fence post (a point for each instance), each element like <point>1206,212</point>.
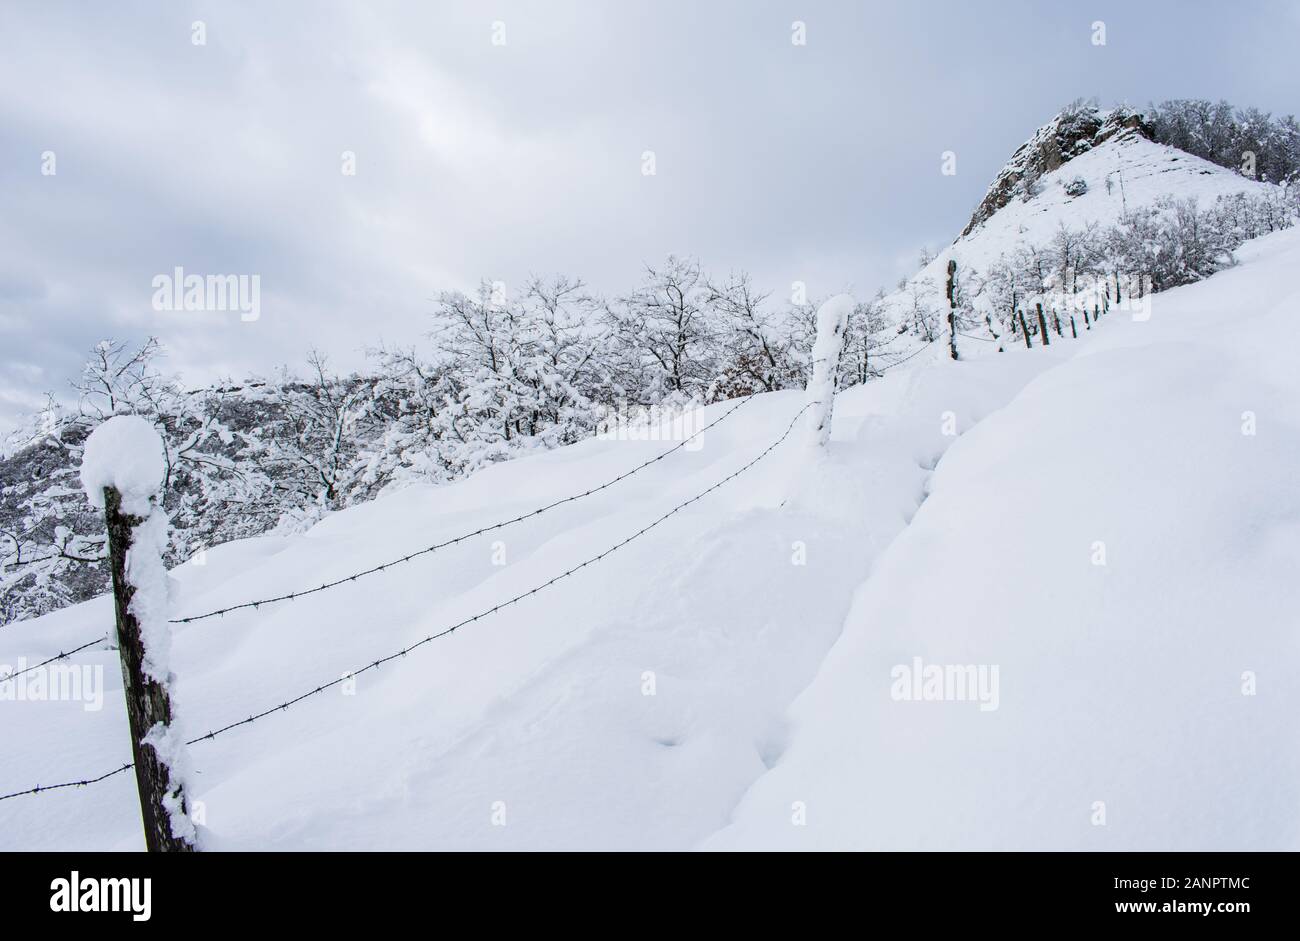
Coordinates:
<point>1024,328</point>
<point>1042,326</point>
<point>147,701</point>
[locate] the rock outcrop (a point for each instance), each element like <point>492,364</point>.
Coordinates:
<point>1074,131</point>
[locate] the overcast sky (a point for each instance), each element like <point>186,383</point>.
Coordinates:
<point>818,163</point>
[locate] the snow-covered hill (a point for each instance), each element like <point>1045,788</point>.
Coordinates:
<point>1120,683</point>
<point>1106,528</point>
<point>1124,173</point>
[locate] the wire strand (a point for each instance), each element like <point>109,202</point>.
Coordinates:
<point>12,676</point>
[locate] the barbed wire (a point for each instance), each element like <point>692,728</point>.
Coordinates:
<point>876,351</point>
<point>915,352</point>
<point>6,677</point>
<point>478,532</point>
<point>54,787</point>
<point>375,664</point>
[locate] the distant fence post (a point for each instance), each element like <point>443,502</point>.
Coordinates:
<point>1024,329</point>
<point>1042,327</point>
<point>832,326</point>
<point>952,307</point>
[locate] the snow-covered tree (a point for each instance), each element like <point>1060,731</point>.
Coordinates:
<point>924,313</point>
<point>668,330</point>
<point>314,450</point>
<point>869,333</point>
<point>757,349</point>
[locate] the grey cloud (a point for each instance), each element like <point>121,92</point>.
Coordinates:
<point>816,163</point>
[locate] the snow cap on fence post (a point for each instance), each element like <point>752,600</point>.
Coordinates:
<point>125,452</point>
<point>832,324</point>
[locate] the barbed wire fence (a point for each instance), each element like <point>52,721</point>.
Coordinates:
<point>447,631</point>
<point>478,532</point>
<point>290,596</point>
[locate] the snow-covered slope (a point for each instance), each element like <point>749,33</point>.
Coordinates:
<point>1119,683</point>
<point>1161,684</point>
<point>727,679</point>
<point>543,705</point>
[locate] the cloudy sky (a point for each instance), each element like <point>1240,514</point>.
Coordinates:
<point>475,158</point>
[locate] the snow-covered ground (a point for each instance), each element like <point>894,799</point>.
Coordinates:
<point>1144,703</point>
<point>725,680</point>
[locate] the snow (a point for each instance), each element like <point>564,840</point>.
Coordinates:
<point>147,574</point>
<point>734,666</point>
<point>125,452</point>
<point>730,605</point>
<point>1126,684</point>
<point>168,742</point>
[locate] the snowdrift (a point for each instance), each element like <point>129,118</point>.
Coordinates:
<point>1120,542</point>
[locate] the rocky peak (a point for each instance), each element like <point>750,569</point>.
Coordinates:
<point>1074,131</point>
